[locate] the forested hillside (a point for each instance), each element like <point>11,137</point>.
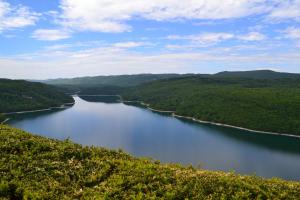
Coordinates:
<point>17,95</point>
<point>265,105</point>
<point>34,167</point>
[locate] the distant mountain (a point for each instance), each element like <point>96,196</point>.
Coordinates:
<point>117,80</point>
<point>117,83</point>
<point>138,79</point>
<point>19,95</point>
<point>257,74</point>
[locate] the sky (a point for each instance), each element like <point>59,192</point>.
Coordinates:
<point>42,39</point>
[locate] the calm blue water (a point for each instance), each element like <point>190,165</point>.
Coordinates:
<point>144,133</point>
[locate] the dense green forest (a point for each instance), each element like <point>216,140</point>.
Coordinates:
<point>34,167</point>
<point>18,95</point>
<point>259,104</point>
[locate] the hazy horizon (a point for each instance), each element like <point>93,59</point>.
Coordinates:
<point>99,75</point>
<point>77,38</point>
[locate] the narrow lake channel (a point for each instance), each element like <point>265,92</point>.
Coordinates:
<point>144,133</point>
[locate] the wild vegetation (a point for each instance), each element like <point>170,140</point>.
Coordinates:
<point>17,95</point>
<point>260,104</point>
<point>34,167</point>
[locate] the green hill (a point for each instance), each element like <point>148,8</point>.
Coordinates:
<point>257,74</point>
<point>265,105</point>
<point>117,80</point>
<point>138,79</point>
<point>34,167</point>
<point>18,95</point>
<point>115,84</point>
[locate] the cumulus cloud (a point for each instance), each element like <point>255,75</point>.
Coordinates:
<point>214,38</point>
<point>252,36</point>
<point>113,15</point>
<point>292,33</point>
<point>204,38</point>
<point>50,34</point>
<point>111,60</point>
<point>289,9</point>
<point>12,17</point>
<point>128,44</point>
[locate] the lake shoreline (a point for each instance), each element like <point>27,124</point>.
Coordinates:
<point>5,120</point>
<point>65,105</point>
<point>146,133</point>
<point>173,114</point>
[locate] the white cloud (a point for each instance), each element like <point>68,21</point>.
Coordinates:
<point>292,33</point>
<point>111,60</point>
<point>286,9</point>
<point>204,38</point>
<point>128,44</point>
<point>113,15</point>
<point>50,34</point>
<point>12,17</point>
<point>252,36</point>
<point>213,38</point>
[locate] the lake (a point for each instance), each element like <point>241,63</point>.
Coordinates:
<point>144,133</point>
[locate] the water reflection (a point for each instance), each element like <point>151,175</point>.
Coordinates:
<point>101,98</point>
<point>145,133</point>
<point>272,142</point>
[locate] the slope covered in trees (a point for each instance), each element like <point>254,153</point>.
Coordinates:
<point>34,167</point>
<point>265,105</point>
<point>17,95</point>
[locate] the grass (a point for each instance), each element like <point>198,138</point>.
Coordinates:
<point>34,167</point>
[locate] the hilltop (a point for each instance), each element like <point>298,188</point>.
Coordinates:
<point>138,79</point>
<point>257,74</point>
<point>114,80</point>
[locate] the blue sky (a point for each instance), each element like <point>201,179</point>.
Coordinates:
<point>42,39</point>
